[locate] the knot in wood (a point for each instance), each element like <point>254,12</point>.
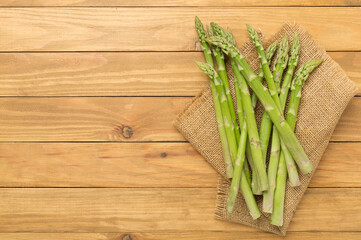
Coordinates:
<point>127,132</point>
<point>127,237</point>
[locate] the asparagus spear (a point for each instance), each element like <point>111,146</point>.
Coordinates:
<point>296,88</point>
<point>211,72</point>
<point>253,136</point>
<point>297,84</point>
<point>279,197</point>
<point>249,198</point>
<point>266,123</point>
<point>266,70</point>
<point>264,96</point>
<point>280,62</point>
<point>269,54</point>
<point>293,61</point>
<point>221,129</point>
<point>221,67</point>
<point>278,68</point>
<point>238,168</point>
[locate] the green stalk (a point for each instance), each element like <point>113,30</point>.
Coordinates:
<point>249,198</point>
<point>219,116</point>
<point>247,171</point>
<point>253,136</point>
<point>297,85</point>
<point>272,173</point>
<point>296,88</point>
<point>279,65</point>
<point>254,183</point>
<point>221,67</point>
<point>238,170</point>
<point>266,70</point>
<point>273,89</point>
<point>292,64</point>
<point>264,96</point>
<point>278,205</point>
<point>239,163</point>
<point>280,62</point>
<point>212,74</point>
<point>256,187</point>
<point>269,54</point>
<point>266,123</point>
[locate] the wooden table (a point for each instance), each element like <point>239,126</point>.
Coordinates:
<point>89,90</point>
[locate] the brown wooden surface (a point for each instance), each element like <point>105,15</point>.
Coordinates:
<point>177,3</point>
<point>164,29</point>
<point>181,235</point>
<point>118,73</point>
<point>142,209</point>
<point>88,93</point>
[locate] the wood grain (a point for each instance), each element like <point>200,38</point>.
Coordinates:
<point>183,235</point>
<point>90,119</point>
<point>114,210</point>
<point>205,3</point>
<point>103,165</point>
<point>116,119</point>
<point>143,165</point>
<point>349,128</point>
<point>118,73</point>
<point>163,29</point>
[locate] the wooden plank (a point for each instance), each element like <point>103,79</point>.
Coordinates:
<point>118,73</point>
<point>116,119</point>
<point>90,119</point>
<point>116,209</point>
<point>349,128</point>
<point>103,165</point>
<point>349,63</point>
<point>102,74</point>
<point>163,29</point>
<point>177,3</point>
<point>142,165</point>
<point>182,235</point>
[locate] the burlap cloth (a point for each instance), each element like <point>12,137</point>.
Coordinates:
<point>324,97</point>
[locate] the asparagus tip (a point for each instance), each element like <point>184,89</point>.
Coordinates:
<point>200,29</point>
<point>207,69</point>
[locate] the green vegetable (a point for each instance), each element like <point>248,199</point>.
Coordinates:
<point>297,85</point>
<point>264,96</point>
<point>219,116</point>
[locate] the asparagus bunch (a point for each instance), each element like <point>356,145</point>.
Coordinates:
<point>291,117</point>
<point>245,143</point>
<point>217,104</point>
<point>222,113</point>
<point>266,99</point>
<point>221,66</point>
